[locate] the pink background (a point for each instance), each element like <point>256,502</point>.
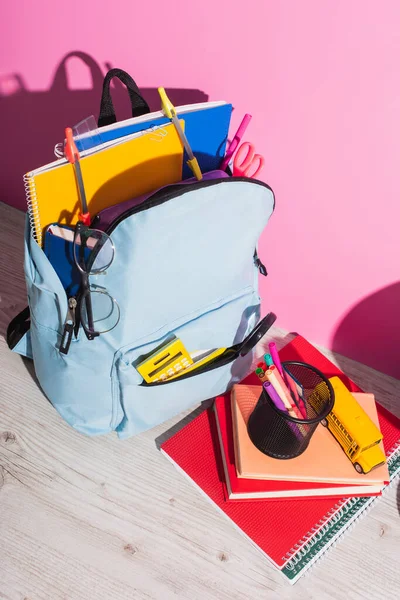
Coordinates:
<point>322,80</point>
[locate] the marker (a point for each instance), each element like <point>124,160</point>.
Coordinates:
<point>299,401</point>
<point>235,141</point>
<point>260,374</point>
<point>170,112</point>
<point>273,394</point>
<point>261,365</point>
<point>268,360</point>
<point>274,377</point>
<point>275,357</point>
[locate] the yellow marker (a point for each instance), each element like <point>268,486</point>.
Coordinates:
<point>170,112</point>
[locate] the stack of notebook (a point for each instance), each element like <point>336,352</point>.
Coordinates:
<point>255,492</point>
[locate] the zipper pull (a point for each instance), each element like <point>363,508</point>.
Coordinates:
<point>259,264</point>
<point>69,325</point>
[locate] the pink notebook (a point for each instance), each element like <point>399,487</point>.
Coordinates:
<point>245,489</point>
<point>324,461</point>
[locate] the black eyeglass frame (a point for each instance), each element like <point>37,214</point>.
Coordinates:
<point>83,231</point>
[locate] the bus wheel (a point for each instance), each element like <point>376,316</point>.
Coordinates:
<point>324,422</point>
<point>358,468</point>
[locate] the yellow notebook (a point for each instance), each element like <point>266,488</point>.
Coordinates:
<point>113,174</point>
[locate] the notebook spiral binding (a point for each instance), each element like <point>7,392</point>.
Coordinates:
<point>354,508</point>
<point>33,210</point>
<point>315,531</point>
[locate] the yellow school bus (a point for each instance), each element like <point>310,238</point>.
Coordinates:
<point>353,429</point>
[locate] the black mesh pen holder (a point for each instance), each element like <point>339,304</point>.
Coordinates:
<point>280,433</point>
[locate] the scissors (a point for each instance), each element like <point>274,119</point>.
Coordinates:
<point>246,163</point>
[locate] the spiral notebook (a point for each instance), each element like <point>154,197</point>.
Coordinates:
<point>323,461</point>
<point>300,542</point>
<point>112,174</point>
<point>239,488</point>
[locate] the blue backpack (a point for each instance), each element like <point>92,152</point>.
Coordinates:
<point>185,264</point>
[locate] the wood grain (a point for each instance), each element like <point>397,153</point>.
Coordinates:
<point>96,518</point>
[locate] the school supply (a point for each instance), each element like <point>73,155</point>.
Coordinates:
<point>59,249</point>
<point>98,311</point>
<point>246,489</point>
<point>166,360</point>
<point>246,162</point>
<point>73,157</point>
<point>170,112</point>
<point>260,374</point>
<point>297,392</point>
<point>235,141</point>
<point>168,278</point>
<point>273,376</point>
<point>273,394</point>
<point>352,428</point>
<point>112,175</point>
<point>292,545</point>
<point>322,461</point>
<point>206,124</point>
<point>286,434</point>
<point>273,352</point>
<point>61,231</point>
<point>277,402</point>
<point>268,360</point>
<point>199,359</point>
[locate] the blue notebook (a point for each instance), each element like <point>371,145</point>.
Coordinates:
<point>60,253</point>
<point>206,127</point>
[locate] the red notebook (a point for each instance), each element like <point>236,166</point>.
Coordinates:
<point>246,489</point>
<point>195,451</point>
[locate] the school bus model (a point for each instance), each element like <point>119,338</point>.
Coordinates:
<point>353,429</point>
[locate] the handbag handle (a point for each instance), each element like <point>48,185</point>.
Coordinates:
<point>107,111</point>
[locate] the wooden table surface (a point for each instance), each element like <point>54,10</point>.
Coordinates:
<point>98,518</point>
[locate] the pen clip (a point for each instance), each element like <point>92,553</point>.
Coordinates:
<point>167,106</point>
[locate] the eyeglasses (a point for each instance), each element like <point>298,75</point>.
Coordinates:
<point>93,253</point>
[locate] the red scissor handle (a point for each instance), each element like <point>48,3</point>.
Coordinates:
<point>246,163</point>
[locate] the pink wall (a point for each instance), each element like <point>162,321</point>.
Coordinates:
<point>322,81</point>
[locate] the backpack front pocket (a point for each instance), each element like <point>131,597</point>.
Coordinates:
<point>220,325</point>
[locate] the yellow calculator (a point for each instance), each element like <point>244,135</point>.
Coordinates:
<point>166,361</point>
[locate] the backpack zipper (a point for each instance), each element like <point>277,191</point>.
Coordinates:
<point>156,199</point>
<point>164,195</point>
<point>260,266</point>
<point>230,354</point>
<point>69,325</point>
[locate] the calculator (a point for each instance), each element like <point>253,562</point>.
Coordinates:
<point>167,360</point>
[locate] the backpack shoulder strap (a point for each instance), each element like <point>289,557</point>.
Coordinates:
<point>18,327</point>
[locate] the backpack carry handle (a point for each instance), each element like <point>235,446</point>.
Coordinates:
<point>107,111</point>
